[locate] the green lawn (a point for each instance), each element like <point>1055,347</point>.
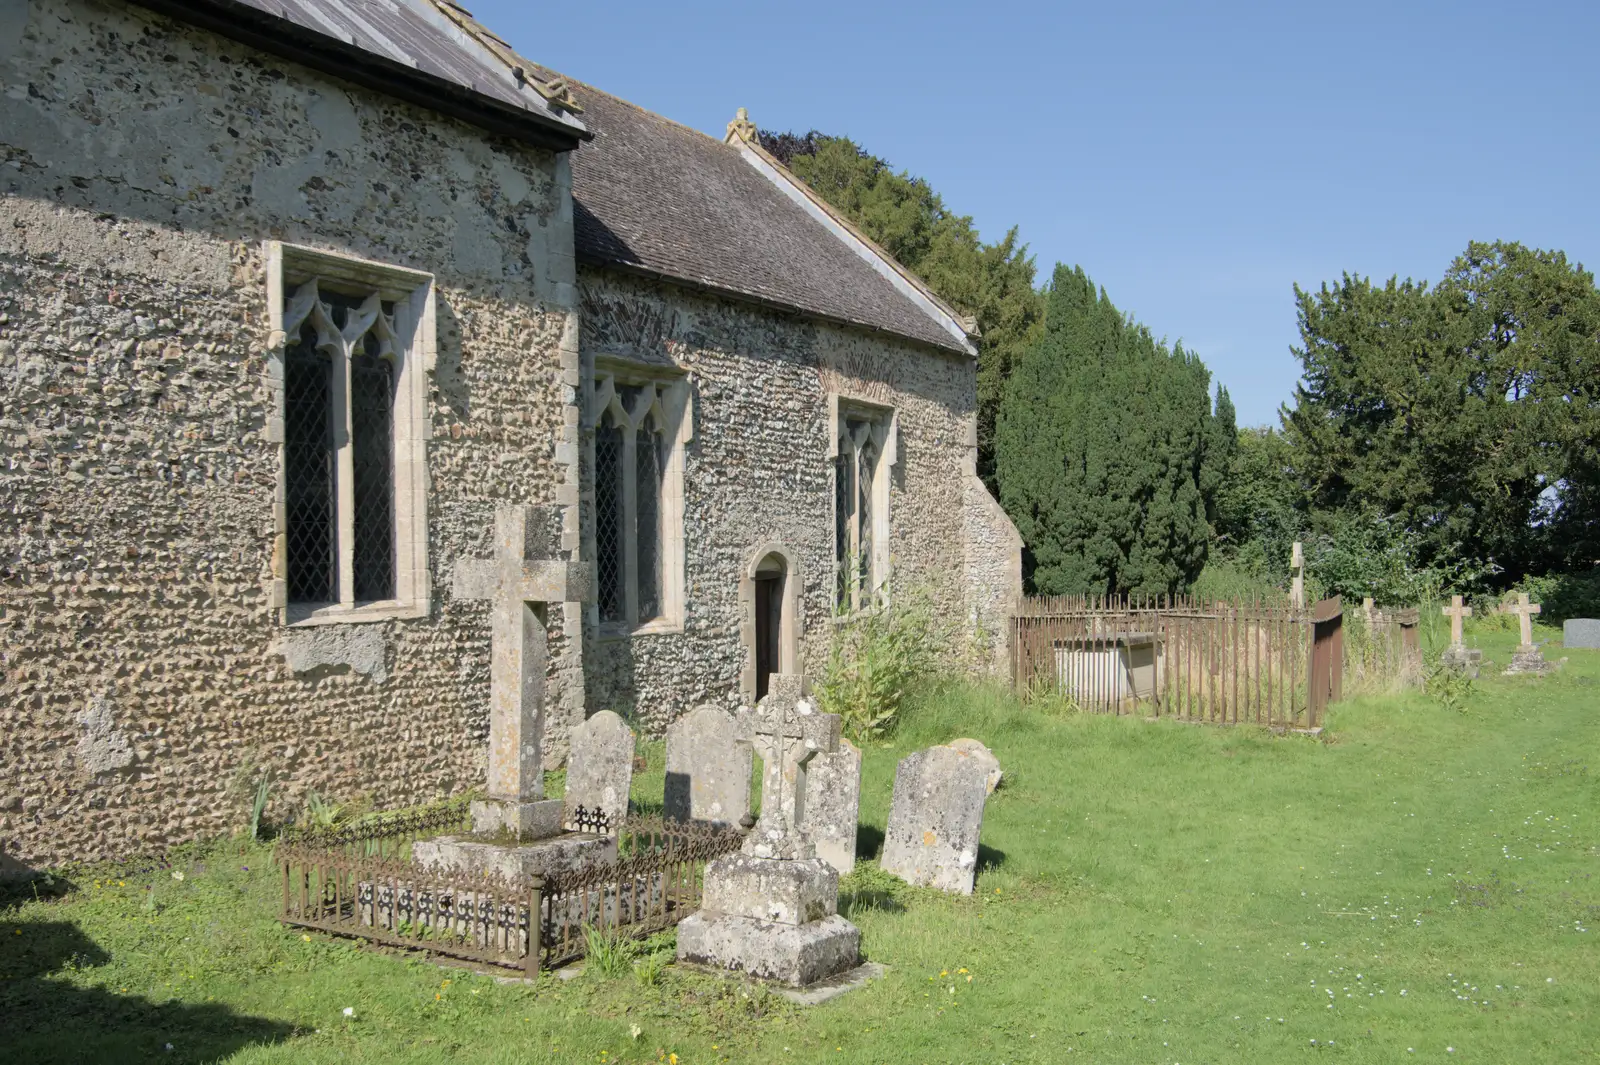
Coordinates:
<point>1418,880</point>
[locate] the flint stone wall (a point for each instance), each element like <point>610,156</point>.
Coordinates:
<point>147,682</point>
<point>757,472</point>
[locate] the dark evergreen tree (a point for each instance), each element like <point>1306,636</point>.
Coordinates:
<point>1108,452</point>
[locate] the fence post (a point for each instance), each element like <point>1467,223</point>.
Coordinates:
<point>535,923</point>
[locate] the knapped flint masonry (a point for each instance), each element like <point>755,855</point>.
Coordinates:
<point>296,297</point>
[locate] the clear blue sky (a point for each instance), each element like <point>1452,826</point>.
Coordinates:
<point>1196,159</point>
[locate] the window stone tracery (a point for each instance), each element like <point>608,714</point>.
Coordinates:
<point>350,346</point>
<point>641,425</point>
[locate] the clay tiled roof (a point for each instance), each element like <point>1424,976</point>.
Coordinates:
<point>652,195</point>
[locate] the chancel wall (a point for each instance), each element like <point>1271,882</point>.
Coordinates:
<point>149,679</point>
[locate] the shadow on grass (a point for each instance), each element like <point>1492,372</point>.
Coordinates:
<point>989,858</point>
<point>50,1020</point>
<point>869,842</point>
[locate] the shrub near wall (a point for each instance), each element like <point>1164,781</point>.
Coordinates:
<point>1565,595</point>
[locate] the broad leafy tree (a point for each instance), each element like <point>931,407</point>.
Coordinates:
<point>1466,411</point>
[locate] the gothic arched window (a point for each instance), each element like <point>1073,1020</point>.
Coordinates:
<point>638,481</point>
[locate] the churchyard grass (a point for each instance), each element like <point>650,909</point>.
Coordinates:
<point>1416,885</point>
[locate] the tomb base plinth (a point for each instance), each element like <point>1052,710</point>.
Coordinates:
<point>1529,660</point>
<point>559,854</point>
<point>1462,660</point>
<point>797,955</point>
<point>771,889</point>
<point>521,820</point>
<point>774,918</point>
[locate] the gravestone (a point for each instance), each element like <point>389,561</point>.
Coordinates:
<point>935,819</point>
<point>517,581</point>
<point>599,772</point>
<point>833,805</point>
<point>517,831</point>
<point>1297,576</point>
<point>771,910</point>
<point>1581,633</point>
<point>1458,656</point>
<point>991,764</point>
<point>708,768</point>
<point>1528,658</point>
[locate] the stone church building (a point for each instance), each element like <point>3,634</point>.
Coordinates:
<point>296,297</point>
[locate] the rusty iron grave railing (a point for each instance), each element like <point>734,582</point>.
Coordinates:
<point>1235,662</point>
<point>1255,661</point>
<point>349,882</point>
<point>655,882</point>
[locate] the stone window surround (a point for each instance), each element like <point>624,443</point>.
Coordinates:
<point>790,628</point>
<point>885,421</point>
<point>674,410</point>
<point>415,352</point>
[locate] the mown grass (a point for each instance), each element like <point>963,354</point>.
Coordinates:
<point>1418,885</point>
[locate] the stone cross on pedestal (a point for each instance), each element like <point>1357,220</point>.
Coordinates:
<point>1525,611</point>
<point>517,581</point>
<point>787,732</point>
<point>1456,612</point>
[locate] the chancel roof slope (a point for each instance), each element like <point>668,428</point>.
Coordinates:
<point>650,194</point>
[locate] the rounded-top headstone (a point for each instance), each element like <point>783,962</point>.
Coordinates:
<point>600,766</point>
<point>977,749</point>
<point>935,820</point>
<point>1581,633</point>
<point>708,768</point>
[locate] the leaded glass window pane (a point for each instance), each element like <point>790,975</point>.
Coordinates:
<point>608,520</point>
<point>843,518</point>
<point>309,464</point>
<point>869,462</point>
<point>372,448</point>
<point>647,507</point>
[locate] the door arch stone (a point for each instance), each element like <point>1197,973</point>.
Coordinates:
<point>769,603</point>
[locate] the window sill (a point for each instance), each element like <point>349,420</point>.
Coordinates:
<point>611,633</point>
<point>305,615</point>
<point>841,620</point>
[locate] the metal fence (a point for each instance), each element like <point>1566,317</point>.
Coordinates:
<point>1245,661</point>
<point>655,882</point>
<point>1225,662</point>
<point>359,881</point>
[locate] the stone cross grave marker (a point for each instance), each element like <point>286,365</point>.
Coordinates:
<point>787,733</point>
<point>1456,612</point>
<point>517,579</point>
<point>1525,611</point>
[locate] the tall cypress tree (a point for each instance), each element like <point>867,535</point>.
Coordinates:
<point>1108,452</point>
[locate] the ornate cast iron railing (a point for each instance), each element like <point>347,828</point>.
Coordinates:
<point>350,882</point>
<point>654,883</point>
<point>384,835</point>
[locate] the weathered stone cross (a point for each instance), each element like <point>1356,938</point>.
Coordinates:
<point>515,580</point>
<point>1525,611</point>
<point>1455,612</point>
<point>787,733</point>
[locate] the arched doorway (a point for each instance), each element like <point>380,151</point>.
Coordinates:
<point>770,593</point>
